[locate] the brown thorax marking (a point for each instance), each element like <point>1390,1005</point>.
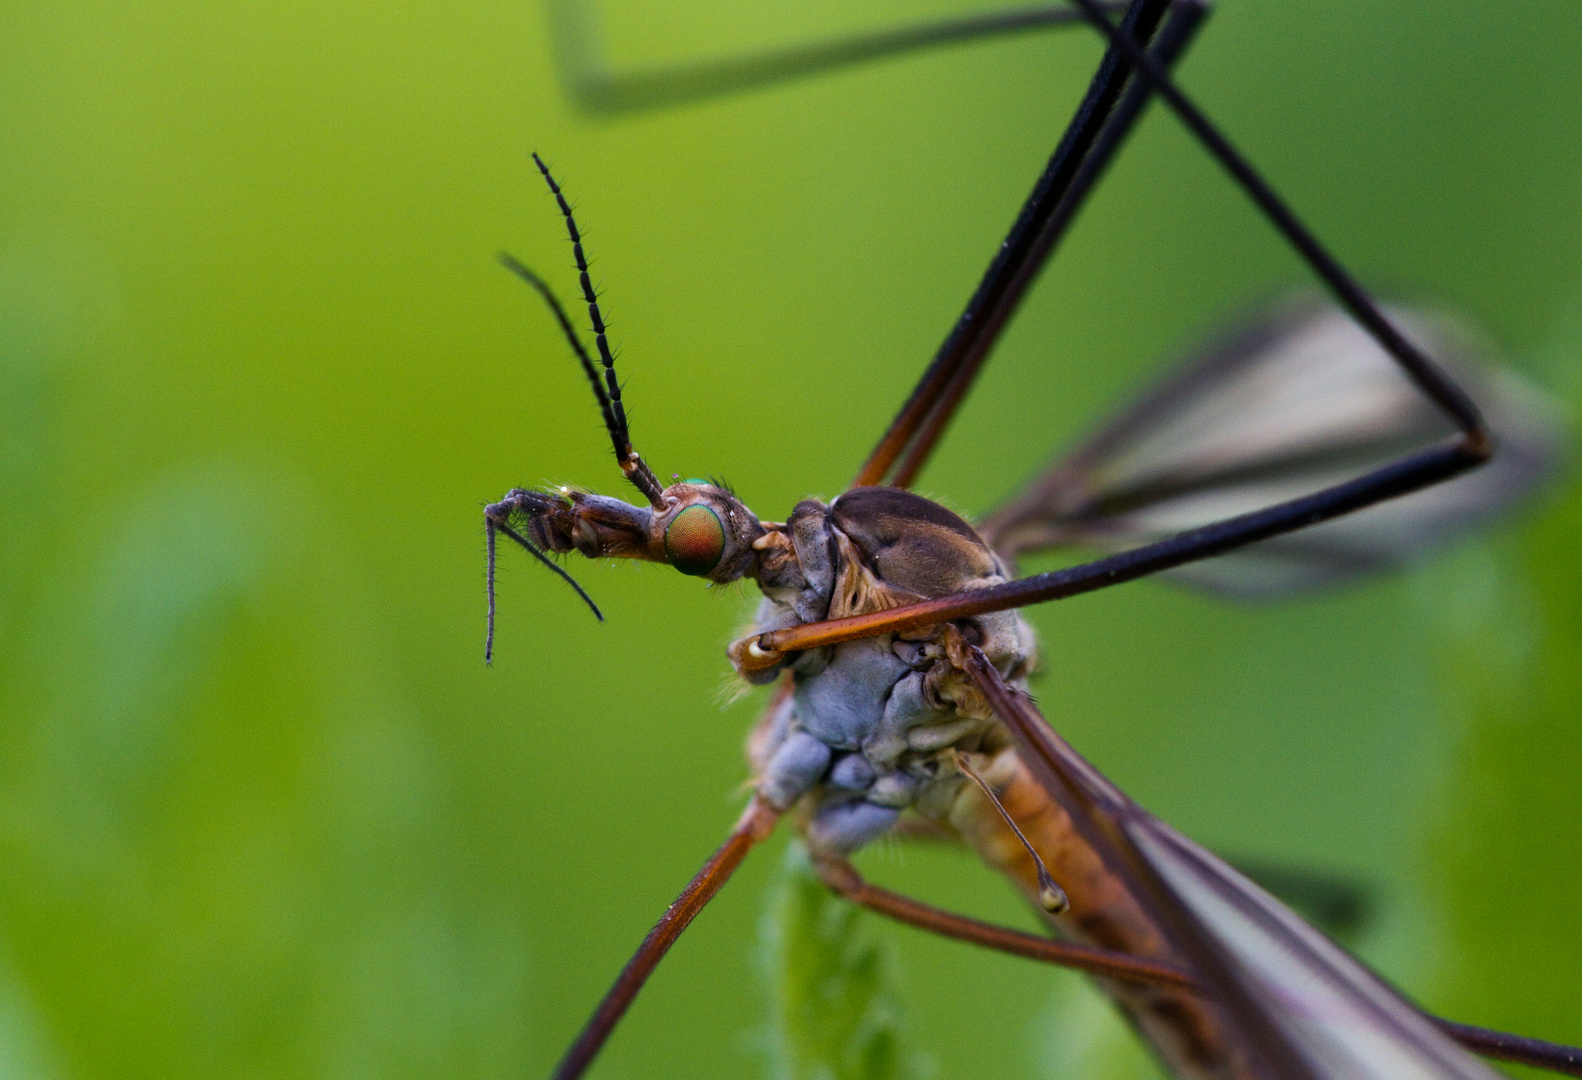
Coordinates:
<point>859,590</point>
<point>892,547</point>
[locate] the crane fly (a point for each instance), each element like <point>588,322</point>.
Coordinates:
<point>1319,440</point>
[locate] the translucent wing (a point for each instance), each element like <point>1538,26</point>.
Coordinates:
<point>1301,399</point>
<point>1329,1010</point>
<point>1301,1007</point>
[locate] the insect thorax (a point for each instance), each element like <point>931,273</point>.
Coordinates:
<point>870,727</point>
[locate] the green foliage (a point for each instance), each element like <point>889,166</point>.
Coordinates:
<point>1508,843</point>
<point>834,1013</point>
<point>1081,1035</point>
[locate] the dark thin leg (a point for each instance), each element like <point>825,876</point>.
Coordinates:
<point>1519,1048</point>
<point>603,92</point>
<point>1433,382</point>
<point>1401,477</point>
<point>928,413</point>
<point>1415,471</point>
<point>755,824</point>
<point>1173,39</point>
<point>978,322</point>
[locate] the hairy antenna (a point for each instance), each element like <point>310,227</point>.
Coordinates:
<point>491,526</point>
<point>609,395</point>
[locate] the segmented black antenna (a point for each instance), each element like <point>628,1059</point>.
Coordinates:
<point>609,394</point>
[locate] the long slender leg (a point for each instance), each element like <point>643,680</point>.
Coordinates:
<point>1032,238</point>
<point>1408,474</point>
<point>598,90</point>
<point>844,879</point>
<point>1172,41</point>
<point>755,824</point>
<point>1519,1048</point>
<point>979,323</point>
<point>948,379</point>
<point>1423,371</point>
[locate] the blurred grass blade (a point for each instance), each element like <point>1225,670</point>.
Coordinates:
<point>834,1013</point>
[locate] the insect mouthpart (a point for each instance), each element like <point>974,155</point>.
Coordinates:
<point>529,512</point>
<point>700,529</point>
<point>565,519</point>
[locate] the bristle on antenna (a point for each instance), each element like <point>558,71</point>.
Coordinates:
<point>490,526</point>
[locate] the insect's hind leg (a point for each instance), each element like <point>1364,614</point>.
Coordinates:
<point>1434,383</point>
<point>1100,126</point>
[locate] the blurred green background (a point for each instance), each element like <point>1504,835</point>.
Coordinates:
<point>263,810</point>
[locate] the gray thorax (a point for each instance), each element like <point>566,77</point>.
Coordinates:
<point>868,730</point>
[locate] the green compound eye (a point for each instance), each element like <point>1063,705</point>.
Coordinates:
<point>695,540</point>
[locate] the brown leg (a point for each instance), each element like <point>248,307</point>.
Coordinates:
<point>843,878</point>
<point>756,823</point>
